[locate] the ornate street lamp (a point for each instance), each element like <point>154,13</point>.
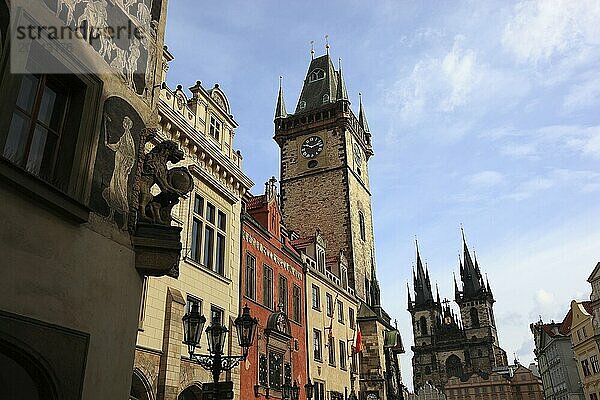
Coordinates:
<point>309,389</point>
<point>216,335</point>
<point>295,392</point>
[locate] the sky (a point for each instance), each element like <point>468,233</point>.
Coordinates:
<point>485,114</point>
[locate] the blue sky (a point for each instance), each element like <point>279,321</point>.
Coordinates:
<point>482,113</point>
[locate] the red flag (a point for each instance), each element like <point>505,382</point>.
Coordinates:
<point>358,342</point>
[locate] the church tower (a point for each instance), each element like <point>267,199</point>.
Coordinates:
<point>325,151</point>
<point>325,154</point>
<point>476,303</point>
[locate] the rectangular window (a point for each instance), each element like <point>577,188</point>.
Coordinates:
<point>317,348</point>
<point>189,301</point>
<point>250,287</point>
<point>319,391</point>
<point>209,244</point>
<point>210,213</point>
<point>331,348</point>
<point>196,239</point>
<point>585,367</point>
<point>267,286</point>
<point>343,355</point>
<point>296,304</point>
<point>198,205</point>
<point>283,293</point>
<point>222,221</point>
<point>263,369</point>
<point>340,308</point>
<point>215,128</point>
<point>216,315</point>
<point>594,362</point>
<point>329,304</point>
<point>275,370</point>
<point>351,318</point>
<point>220,261</point>
<point>37,125</point>
<point>316,298</point>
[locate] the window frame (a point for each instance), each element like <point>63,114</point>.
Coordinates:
<point>268,302</point>
<point>296,304</point>
<point>283,294</point>
<point>250,276</point>
<point>317,345</point>
<point>316,290</point>
<point>216,127</point>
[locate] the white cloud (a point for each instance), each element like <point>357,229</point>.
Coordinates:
<point>543,29</point>
<point>486,179</point>
<point>583,96</point>
<point>437,84</point>
<point>530,187</point>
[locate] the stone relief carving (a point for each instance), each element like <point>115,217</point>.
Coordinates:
<point>173,183</point>
<point>115,194</point>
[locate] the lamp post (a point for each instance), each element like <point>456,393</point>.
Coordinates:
<point>216,362</point>
<point>309,387</point>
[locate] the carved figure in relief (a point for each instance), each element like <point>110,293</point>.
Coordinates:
<point>116,194</point>
<point>119,63</point>
<point>96,16</point>
<point>143,15</point>
<point>70,5</point>
<point>132,60</point>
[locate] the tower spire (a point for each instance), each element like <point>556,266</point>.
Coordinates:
<point>312,49</point>
<point>327,44</point>
<point>423,293</point>
<point>362,118</point>
<point>472,282</point>
<point>280,111</point>
<point>409,298</point>
<point>341,92</point>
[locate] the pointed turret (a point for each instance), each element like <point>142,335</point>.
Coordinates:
<point>423,293</point>
<point>471,279</point>
<point>280,111</point>
<point>375,290</point>
<point>409,297</point>
<point>341,92</point>
<point>362,118</point>
<point>456,291</point>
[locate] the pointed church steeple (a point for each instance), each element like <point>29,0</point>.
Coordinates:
<point>320,85</point>
<point>423,293</point>
<point>409,297</point>
<point>472,282</point>
<point>341,92</point>
<point>375,290</point>
<point>280,111</point>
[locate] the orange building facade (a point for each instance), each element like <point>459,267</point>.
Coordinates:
<point>273,286</point>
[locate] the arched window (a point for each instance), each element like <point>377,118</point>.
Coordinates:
<point>361,221</point>
<point>302,105</point>
<point>454,366</point>
<point>474,317</point>
<point>192,392</point>
<point>140,388</point>
<point>325,98</point>
<point>316,75</point>
<point>423,325</point>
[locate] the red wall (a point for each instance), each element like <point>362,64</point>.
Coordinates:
<point>249,371</point>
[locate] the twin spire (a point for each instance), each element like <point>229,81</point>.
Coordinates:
<point>472,282</point>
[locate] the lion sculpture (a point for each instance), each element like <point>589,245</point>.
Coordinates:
<point>173,183</point>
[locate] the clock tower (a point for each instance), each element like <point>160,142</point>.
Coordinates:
<point>325,151</point>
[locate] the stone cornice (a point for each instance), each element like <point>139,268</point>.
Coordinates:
<point>222,171</point>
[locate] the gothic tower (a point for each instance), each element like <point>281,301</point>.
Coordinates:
<point>476,303</point>
<point>325,150</point>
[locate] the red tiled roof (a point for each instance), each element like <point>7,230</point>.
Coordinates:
<point>565,326</point>
<point>303,241</point>
<point>255,202</point>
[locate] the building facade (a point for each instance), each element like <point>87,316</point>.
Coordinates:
<point>585,345</point>
<point>210,219</point>
<point>516,383</point>
<point>447,345</point>
<point>273,285</point>
<point>556,360</point>
<point>427,392</point>
<point>331,320</point>
<point>325,150</point>
<point>74,121</point>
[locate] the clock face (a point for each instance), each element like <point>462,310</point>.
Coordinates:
<point>357,154</point>
<point>372,396</point>
<point>312,147</point>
